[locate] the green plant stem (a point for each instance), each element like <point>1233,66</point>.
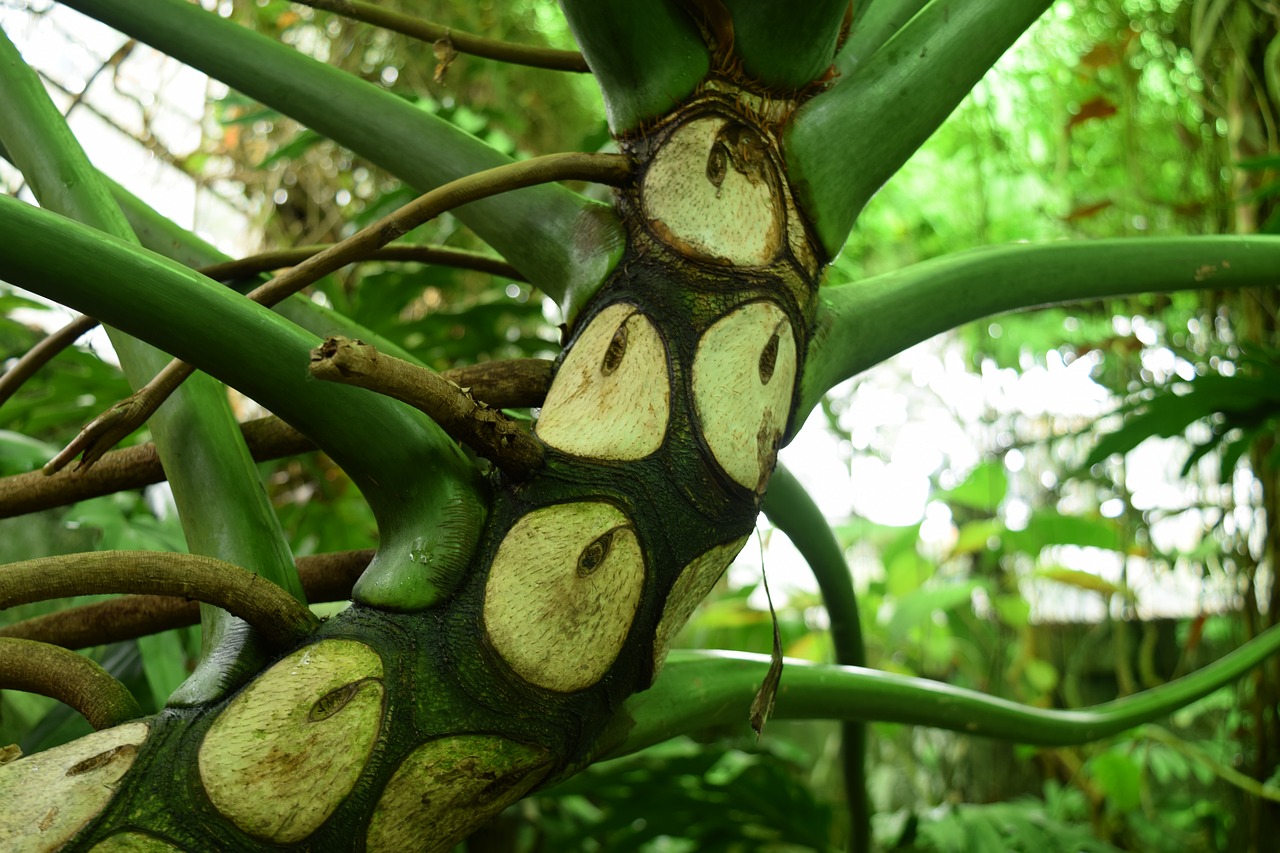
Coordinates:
<point>858,325</point>
<point>70,678</point>
<point>281,618</point>
<point>566,244</point>
<point>113,425</point>
<point>698,690</point>
<point>786,45</point>
<point>646,55</point>
<point>325,577</point>
<point>879,23</point>
<point>518,54</point>
<point>411,472</point>
<point>1227,774</point>
<point>792,510</point>
<point>882,114</point>
<point>223,508</point>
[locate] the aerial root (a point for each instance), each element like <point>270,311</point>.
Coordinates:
<point>279,617</point>
<point>72,679</point>
<point>325,577</point>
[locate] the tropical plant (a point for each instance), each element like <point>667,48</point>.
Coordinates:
<point>514,624</point>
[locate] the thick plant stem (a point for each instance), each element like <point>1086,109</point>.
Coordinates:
<point>786,46</point>
<point>883,113</point>
<point>563,242</point>
<point>699,690</point>
<point>792,510</point>
<point>881,21</point>
<point>280,618</point>
<point>325,577</point>
<point>646,56</point>
<point>123,418</point>
<point>487,431</point>
<point>70,678</point>
<point>451,39</point>
<point>861,324</point>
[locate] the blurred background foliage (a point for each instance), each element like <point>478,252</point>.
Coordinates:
<point>1093,487</point>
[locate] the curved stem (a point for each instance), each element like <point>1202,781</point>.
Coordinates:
<point>861,324</point>
<point>70,678</point>
<point>565,243</point>
<point>883,113</point>
<point>280,618</point>
<point>792,510</point>
<point>698,690</point>
<point>113,425</point>
<point>518,54</point>
<point>325,577</point>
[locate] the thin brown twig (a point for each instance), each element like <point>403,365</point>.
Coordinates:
<point>490,433</point>
<point>511,384</point>
<point>325,577</point>
<point>446,39</point>
<point>40,355</point>
<point>123,418</point>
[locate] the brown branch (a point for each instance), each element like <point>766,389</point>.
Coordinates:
<point>40,354</point>
<point>516,383</point>
<point>130,414</point>
<point>490,433</point>
<point>68,677</point>
<point>325,577</point>
<point>279,617</point>
<point>446,39</point>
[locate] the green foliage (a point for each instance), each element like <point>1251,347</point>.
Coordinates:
<point>715,797</point>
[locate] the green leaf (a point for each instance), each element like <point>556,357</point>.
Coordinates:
<point>1119,778</point>
<point>1048,527</point>
<point>919,606</point>
<point>1081,580</point>
<point>292,149</point>
<point>20,453</point>
<point>984,489</point>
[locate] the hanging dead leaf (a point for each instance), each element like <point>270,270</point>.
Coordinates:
<point>1085,211</point>
<point>1094,108</point>
<point>762,705</point>
<point>445,54</point>
<point>1100,56</point>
